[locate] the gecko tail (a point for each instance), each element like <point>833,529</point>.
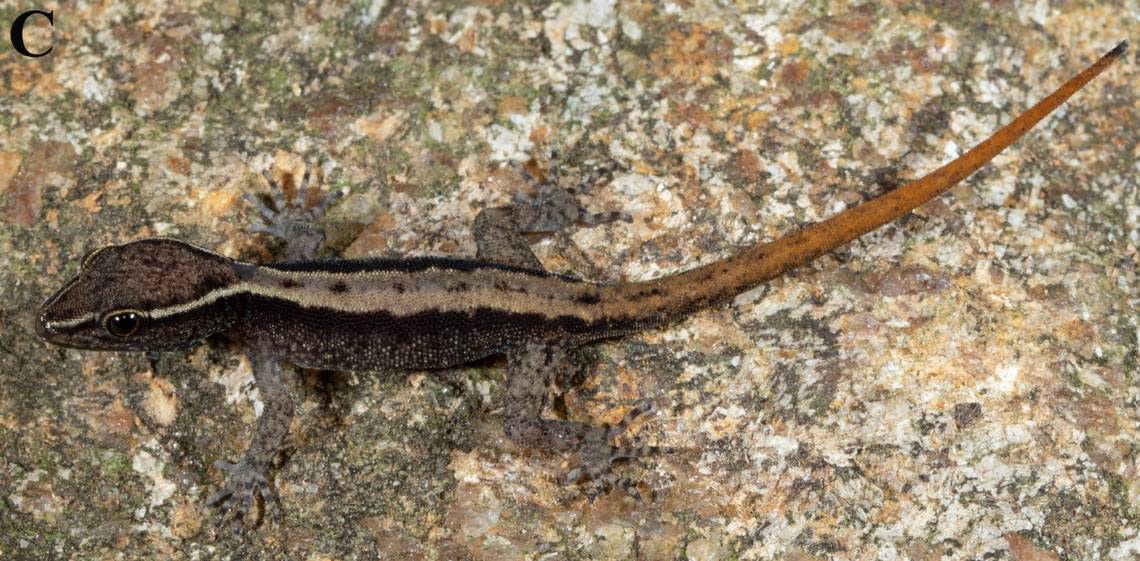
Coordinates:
<point>642,304</point>
<point>1118,49</point>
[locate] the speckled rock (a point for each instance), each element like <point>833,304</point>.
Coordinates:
<point>961,385</point>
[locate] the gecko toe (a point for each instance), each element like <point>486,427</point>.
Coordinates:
<point>598,455</point>
<point>289,217</point>
<point>235,499</point>
<point>271,501</point>
<point>264,212</point>
<point>276,192</point>
<point>627,420</point>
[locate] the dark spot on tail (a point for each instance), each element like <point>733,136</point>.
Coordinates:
<point>643,294</point>
<point>398,287</point>
<point>589,298</point>
<point>339,286</point>
<point>290,283</point>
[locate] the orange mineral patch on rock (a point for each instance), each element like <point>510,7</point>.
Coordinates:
<point>381,125</point>
<point>688,57</point>
<point>9,165</point>
<point>47,164</point>
<point>218,202</point>
<point>1021,549</point>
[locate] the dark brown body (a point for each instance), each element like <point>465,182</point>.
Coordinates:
<point>489,308</point>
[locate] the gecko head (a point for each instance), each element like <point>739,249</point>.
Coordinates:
<point>151,294</point>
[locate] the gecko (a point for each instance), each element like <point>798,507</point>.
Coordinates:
<point>159,294</point>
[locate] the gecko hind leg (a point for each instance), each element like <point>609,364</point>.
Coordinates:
<point>531,371</point>
<point>579,363</point>
<point>550,207</point>
<point>292,219</point>
<point>498,239</point>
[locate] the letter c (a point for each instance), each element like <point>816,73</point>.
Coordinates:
<point>18,32</point>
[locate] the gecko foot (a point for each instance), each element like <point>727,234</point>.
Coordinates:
<point>597,456</point>
<point>551,207</point>
<point>235,499</point>
<point>291,219</point>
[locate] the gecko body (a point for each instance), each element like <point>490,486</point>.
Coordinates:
<point>159,294</point>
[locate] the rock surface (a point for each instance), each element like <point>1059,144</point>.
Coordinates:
<point>962,384</point>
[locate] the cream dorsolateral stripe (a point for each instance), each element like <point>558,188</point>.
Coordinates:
<point>399,293</point>
<point>402,293</point>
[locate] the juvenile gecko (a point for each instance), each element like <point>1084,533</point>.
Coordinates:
<point>159,294</point>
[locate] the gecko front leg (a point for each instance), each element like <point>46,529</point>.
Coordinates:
<point>531,370</point>
<point>291,219</point>
<point>248,478</point>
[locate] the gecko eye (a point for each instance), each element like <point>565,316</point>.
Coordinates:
<point>123,324</point>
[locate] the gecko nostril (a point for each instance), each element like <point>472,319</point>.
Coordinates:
<point>43,327</point>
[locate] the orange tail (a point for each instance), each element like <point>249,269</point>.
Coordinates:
<point>678,294</point>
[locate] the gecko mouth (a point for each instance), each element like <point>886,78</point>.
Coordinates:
<point>43,329</point>
<point>61,333</point>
